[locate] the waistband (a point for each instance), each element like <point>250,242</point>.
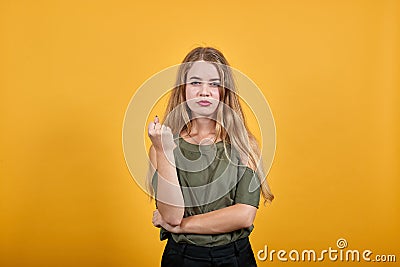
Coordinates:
<point>193,251</point>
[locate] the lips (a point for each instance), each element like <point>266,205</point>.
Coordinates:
<point>204,103</point>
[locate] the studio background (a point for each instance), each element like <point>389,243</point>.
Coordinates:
<point>329,70</point>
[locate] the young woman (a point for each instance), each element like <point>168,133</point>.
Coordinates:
<point>206,171</point>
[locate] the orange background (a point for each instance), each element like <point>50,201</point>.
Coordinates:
<point>329,70</point>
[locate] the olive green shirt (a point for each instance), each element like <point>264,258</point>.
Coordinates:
<point>209,181</point>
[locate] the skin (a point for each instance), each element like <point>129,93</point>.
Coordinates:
<point>170,201</point>
<point>202,84</point>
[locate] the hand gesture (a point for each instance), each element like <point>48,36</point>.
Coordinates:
<point>161,136</point>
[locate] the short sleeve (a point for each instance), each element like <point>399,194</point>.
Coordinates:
<point>248,188</point>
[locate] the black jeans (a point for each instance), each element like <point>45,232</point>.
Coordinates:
<point>235,254</point>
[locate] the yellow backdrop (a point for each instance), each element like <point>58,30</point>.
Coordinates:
<point>329,70</point>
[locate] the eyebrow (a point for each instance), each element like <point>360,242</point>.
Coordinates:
<point>197,78</point>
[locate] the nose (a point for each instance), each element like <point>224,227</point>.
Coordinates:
<point>204,90</point>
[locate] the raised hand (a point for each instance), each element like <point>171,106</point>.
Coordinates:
<point>161,136</point>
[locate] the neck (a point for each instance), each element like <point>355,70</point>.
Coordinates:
<point>203,126</point>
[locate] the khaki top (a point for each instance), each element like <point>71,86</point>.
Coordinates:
<point>209,181</point>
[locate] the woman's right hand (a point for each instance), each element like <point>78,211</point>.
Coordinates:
<point>161,136</point>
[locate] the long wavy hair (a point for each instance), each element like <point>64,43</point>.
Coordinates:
<point>229,115</point>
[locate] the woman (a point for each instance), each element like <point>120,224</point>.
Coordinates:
<point>203,161</point>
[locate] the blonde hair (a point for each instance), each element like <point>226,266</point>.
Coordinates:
<point>230,115</point>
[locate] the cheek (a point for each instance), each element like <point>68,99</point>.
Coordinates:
<point>187,92</point>
<point>216,94</point>
<point>190,91</point>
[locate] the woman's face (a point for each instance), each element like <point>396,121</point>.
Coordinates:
<point>202,89</point>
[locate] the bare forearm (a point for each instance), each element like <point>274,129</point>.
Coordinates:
<point>219,221</point>
<point>170,201</point>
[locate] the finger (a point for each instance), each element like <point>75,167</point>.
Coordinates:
<point>151,127</point>
<point>168,129</point>
<point>157,126</point>
<point>156,119</point>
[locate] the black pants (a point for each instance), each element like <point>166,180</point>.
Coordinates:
<point>235,254</point>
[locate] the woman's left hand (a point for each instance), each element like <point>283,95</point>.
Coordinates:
<point>158,221</point>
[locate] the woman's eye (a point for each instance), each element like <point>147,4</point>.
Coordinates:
<point>214,84</point>
<point>195,83</point>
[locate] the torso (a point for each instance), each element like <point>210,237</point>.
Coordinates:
<point>212,186</point>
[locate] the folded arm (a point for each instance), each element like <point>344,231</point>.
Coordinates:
<point>224,220</point>
<point>169,200</point>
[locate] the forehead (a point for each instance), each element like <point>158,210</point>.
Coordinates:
<point>204,70</point>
